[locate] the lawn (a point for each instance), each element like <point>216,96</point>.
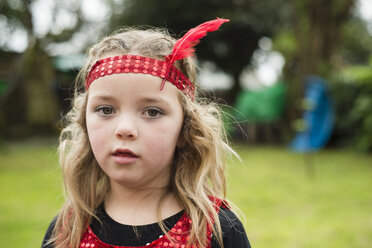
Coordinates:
<point>284,204</point>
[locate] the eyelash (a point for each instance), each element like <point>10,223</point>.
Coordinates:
<point>158,112</point>
<point>101,110</point>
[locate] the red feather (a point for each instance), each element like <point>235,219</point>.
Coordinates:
<point>184,47</point>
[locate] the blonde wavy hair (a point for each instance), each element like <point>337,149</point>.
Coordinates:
<point>198,169</point>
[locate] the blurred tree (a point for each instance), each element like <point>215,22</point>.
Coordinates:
<point>356,44</point>
<point>29,103</point>
<point>352,92</point>
<point>351,85</point>
<point>309,41</point>
<point>232,47</point>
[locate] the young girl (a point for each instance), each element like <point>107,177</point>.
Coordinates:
<point>143,159</point>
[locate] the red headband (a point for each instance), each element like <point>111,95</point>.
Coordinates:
<point>183,48</point>
<point>139,64</point>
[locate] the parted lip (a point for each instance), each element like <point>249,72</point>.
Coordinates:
<point>124,152</point>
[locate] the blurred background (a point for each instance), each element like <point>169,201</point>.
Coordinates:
<point>294,78</point>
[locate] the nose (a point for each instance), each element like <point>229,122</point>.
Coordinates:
<point>126,129</point>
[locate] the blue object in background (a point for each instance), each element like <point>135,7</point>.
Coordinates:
<point>318,117</point>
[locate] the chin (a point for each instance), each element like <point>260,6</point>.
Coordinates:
<point>128,182</point>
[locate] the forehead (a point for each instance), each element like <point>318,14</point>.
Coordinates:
<point>133,85</point>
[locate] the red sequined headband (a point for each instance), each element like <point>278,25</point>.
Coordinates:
<point>144,65</point>
<point>166,70</point>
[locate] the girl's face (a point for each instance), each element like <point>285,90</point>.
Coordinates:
<point>133,128</point>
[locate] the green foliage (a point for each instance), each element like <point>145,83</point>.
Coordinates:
<point>351,87</point>
<point>3,88</point>
<point>356,45</point>
<point>282,206</point>
<point>352,94</point>
<point>285,43</point>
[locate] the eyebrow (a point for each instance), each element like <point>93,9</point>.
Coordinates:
<point>143,99</point>
<point>103,97</point>
<point>150,99</point>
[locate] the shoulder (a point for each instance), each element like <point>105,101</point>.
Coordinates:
<point>228,219</point>
<point>233,233</point>
<point>229,222</point>
<point>48,234</point>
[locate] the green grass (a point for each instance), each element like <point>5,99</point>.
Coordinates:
<point>284,205</point>
<point>30,193</point>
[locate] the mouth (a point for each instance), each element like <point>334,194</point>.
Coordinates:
<point>124,156</point>
<point>124,153</point>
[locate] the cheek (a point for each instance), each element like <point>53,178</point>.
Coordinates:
<point>97,135</point>
<point>163,141</point>
<point>96,142</point>
<point>158,142</point>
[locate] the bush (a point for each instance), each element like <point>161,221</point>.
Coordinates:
<point>352,94</point>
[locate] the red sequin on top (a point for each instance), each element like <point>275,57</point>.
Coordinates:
<point>144,65</point>
<point>179,233</point>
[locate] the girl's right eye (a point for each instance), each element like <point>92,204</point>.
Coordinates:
<point>105,110</point>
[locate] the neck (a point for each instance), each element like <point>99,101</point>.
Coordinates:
<point>140,206</point>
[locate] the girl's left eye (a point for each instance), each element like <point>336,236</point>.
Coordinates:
<point>153,112</point>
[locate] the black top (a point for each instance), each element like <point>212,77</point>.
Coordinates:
<point>114,233</point>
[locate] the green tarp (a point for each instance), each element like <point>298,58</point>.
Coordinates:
<point>261,106</point>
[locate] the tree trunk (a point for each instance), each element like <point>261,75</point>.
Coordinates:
<point>317,27</point>
<point>234,91</point>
